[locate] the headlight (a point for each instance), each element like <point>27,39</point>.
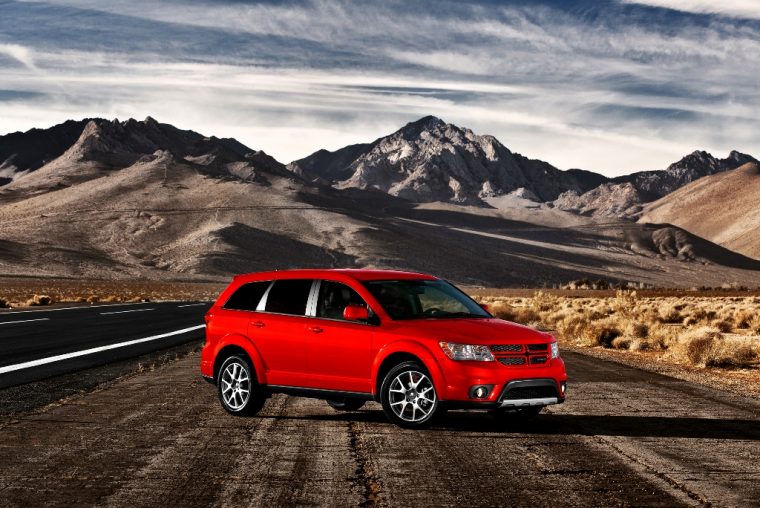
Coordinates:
<point>466,352</point>
<point>555,350</point>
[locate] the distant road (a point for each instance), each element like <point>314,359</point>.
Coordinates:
<point>35,344</point>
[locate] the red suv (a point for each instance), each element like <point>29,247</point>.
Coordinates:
<point>413,342</point>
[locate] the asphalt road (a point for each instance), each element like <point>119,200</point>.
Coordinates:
<point>36,344</point>
<point>624,437</point>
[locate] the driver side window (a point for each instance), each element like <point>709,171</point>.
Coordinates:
<point>333,299</point>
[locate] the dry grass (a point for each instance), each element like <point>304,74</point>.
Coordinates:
<point>693,330</point>
<point>17,292</point>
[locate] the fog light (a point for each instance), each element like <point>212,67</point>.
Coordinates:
<point>562,388</point>
<point>480,391</point>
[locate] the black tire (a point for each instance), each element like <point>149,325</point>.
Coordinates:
<point>523,414</point>
<point>231,377</point>
<point>392,400</point>
<point>346,404</point>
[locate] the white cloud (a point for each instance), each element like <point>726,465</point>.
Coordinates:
<point>739,8</point>
<point>19,53</point>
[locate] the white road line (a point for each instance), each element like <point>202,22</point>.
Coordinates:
<point>72,308</point>
<point>191,305</point>
<point>24,321</point>
<point>125,311</point>
<point>66,356</point>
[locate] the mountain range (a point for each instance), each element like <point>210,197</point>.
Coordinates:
<point>100,198</point>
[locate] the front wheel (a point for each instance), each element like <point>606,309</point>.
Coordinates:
<point>408,396</point>
<point>239,392</point>
<point>346,404</point>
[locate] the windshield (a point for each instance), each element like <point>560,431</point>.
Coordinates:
<point>423,299</point>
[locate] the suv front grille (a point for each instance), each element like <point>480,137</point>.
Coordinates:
<point>512,360</point>
<point>513,355</point>
<point>506,348</point>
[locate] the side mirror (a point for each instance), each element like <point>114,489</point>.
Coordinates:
<point>484,307</point>
<point>354,312</point>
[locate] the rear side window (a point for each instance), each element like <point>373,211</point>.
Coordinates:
<point>289,297</point>
<point>247,296</point>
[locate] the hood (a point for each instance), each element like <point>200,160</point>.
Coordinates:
<point>470,331</point>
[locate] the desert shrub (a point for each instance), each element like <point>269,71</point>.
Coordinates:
<point>111,299</point>
<point>622,342</point>
<point>596,315</point>
<point>625,302</point>
<point>724,325</point>
<point>80,299</point>
<point>695,314</point>
<point>636,329</point>
<point>754,324</point>
<point>38,300</point>
<point>670,314</point>
<point>93,299</point>
<point>502,310</point>
<point>600,333</point>
<point>542,302</point>
<point>526,315</point>
<point>734,355</point>
<point>660,336</point>
<point>690,321</point>
<point>743,318</point>
<point>697,347</point>
<point>571,327</point>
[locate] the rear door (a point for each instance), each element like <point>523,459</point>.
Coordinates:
<point>278,330</point>
<point>338,352</point>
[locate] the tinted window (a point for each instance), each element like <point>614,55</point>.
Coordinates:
<point>247,296</point>
<point>333,298</point>
<point>289,297</point>
<point>424,299</point>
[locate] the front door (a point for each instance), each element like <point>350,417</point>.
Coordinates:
<point>338,352</point>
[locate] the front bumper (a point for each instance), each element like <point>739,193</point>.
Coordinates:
<point>511,387</point>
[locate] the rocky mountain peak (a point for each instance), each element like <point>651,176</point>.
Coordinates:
<point>431,160</point>
<point>119,143</point>
<point>23,152</point>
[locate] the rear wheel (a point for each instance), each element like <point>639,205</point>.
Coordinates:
<point>408,396</point>
<point>346,404</point>
<point>239,392</point>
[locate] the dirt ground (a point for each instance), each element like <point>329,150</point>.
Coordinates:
<point>624,437</point>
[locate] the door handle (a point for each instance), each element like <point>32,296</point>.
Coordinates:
<point>315,329</point>
<point>258,324</point>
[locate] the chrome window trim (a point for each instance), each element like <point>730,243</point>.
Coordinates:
<point>311,302</point>
<point>263,302</point>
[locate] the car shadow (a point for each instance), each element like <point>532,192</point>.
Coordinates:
<point>571,424</point>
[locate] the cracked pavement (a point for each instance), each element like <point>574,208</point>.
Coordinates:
<point>624,437</point>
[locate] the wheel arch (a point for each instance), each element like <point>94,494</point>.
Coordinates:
<point>238,344</point>
<point>404,351</point>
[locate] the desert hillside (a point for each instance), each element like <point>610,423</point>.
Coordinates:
<point>145,200</point>
<point>722,208</point>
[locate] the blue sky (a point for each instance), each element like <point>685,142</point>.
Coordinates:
<point>612,86</point>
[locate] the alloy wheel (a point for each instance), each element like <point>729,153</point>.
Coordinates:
<point>236,385</point>
<point>412,396</point>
